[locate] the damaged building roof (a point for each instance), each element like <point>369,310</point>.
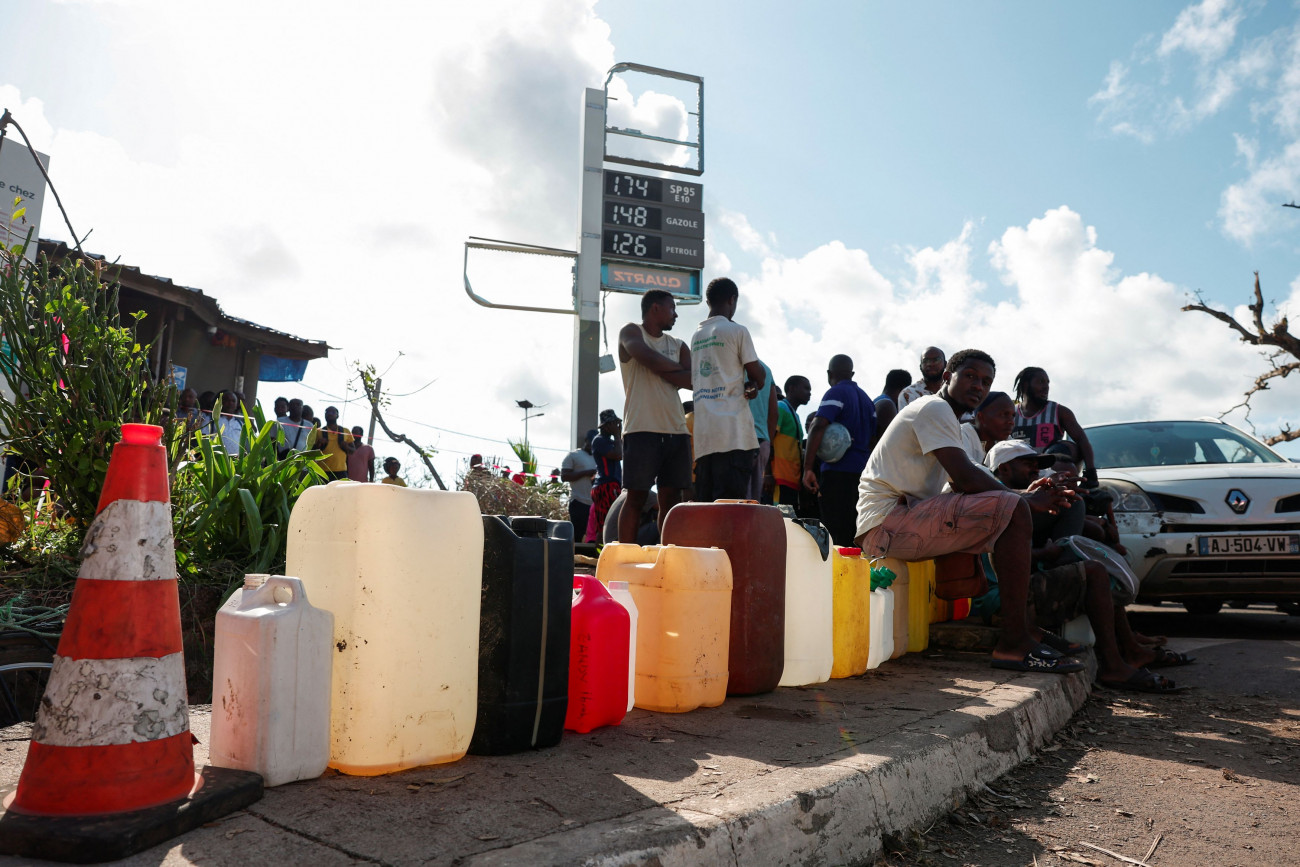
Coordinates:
<point>204,306</point>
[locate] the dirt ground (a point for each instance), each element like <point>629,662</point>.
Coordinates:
<point>1210,776</point>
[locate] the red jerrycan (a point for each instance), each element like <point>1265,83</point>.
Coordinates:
<point>599,641</point>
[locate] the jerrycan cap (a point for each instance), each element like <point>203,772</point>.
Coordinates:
<point>255,579</point>
<point>529,525</point>
<point>850,552</point>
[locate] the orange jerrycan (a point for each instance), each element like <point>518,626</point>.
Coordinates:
<point>683,602</point>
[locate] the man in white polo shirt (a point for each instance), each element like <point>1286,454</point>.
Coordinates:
<point>722,355</point>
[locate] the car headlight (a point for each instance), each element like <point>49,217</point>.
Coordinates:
<point>1128,496</point>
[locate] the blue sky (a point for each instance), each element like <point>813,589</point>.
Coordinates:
<point>909,119</point>
<point>1048,181</point>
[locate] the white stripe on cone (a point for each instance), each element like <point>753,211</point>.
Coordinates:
<point>105,702</point>
<point>130,541</point>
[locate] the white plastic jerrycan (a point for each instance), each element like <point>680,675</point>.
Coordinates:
<point>619,590</point>
<point>271,682</point>
<point>809,604</point>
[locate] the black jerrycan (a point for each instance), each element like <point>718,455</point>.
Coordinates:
<point>523,658</point>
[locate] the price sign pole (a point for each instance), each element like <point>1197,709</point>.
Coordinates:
<point>586,329</point>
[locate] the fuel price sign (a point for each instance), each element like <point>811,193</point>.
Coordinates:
<point>653,220</point>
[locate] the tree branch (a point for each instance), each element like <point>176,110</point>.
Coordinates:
<point>373,395</point>
<point>1278,335</point>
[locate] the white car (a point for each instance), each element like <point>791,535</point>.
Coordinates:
<point>1208,513</point>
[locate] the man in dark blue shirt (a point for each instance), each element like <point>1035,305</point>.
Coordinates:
<point>847,404</point>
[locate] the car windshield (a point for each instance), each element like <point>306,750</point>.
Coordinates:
<point>1175,443</point>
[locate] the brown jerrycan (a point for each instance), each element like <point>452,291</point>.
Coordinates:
<point>753,536</point>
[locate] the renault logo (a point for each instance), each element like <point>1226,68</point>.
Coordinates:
<point>1237,501</point>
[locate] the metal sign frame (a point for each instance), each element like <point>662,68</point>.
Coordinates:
<point>697,146</point>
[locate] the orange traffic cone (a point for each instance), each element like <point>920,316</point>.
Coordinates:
<point>112,735</point>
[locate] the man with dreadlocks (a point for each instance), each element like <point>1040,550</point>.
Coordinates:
<point>1042,422</point>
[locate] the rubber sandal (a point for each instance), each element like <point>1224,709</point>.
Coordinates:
<point>1056,642</point>
<point>1041,660</point>
<point>1143,680</point>
<point>1166,658</point>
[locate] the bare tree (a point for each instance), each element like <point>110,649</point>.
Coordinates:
<point>1277,343</point>
<point>370,384</point>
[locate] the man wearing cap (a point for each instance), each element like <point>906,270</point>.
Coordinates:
<point>1018,460</point>
<point>656,441</point>
<point>577,469</point>
<point>1064,585</point>
<point>607,449</point>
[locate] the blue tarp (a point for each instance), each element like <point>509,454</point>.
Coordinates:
<point>275,369</point>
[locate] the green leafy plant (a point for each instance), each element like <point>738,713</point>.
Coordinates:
<point>528,458</point>
<point>233,510</point>
<point>78,372</point>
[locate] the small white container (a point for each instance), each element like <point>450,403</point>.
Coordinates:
<point>1079,630</point>
<point>881,634</point>
<point>619,590</point>
<point>271,682</point>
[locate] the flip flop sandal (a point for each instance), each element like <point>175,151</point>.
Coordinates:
<point>1056,642</point>
<point>1166,658</point>
<point>1144,681</point>
<point>1041,659</point>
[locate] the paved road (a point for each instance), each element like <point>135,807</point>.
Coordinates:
<point>1213,773</point>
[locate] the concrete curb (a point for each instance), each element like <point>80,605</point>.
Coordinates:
<point>836,813</point>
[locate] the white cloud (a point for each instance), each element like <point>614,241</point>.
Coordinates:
<point>1252,207</point>
<point>1196,55</point>
<point>1206,30</point>
<point>1117,345</point>
<point>738,227</point>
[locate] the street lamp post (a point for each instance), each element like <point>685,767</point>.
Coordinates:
<point>526,405</point>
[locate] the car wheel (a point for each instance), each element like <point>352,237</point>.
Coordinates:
<point>1292,608</point>
<point>1238,606</point>
<point>1202,606</point>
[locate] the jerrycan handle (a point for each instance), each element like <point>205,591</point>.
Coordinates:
<point>286,590</point>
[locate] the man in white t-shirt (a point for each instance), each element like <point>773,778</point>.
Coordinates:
<point>578,469</point>
<point>722,354</point>
<point>903,513</point>
<point>656,442</point>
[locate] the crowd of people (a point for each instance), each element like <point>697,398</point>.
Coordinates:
<point>929,469</point>
<point>344,453</point>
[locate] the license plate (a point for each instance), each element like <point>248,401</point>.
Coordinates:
<point>1279,543</point>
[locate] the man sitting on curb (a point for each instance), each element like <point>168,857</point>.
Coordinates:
<point>902,512</point>
<point>1062,587</point>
